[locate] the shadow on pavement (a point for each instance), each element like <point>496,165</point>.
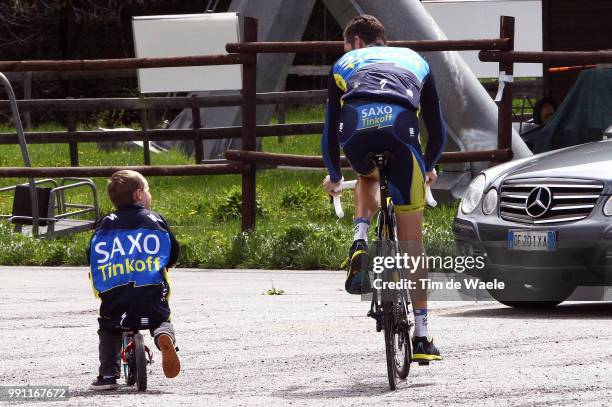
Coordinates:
<point>359,389</point>
<point>591,310</point>
<point>122,391</point>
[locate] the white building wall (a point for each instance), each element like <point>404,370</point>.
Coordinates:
<point>476,19</point>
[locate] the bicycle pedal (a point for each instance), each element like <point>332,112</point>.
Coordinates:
<point>378,317</point>
<point>423,363</point>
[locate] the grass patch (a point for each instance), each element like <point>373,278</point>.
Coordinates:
<point>274,291</point>
<point>296,225</point>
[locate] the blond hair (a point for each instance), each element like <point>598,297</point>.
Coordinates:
<point>122,185</point>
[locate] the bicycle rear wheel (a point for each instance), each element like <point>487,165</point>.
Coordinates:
<point>398,342</point>
<point>141,362</point>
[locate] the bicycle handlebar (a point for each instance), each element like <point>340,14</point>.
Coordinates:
<point>351,185</point>
<point>429,196</point>
<point>336,199</point>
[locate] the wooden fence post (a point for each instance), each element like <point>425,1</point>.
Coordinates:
<point>144,124</point>
<point>73,146</point>
<point>504,110</point>
<point>196,122</point>
<point>27,94</point>
<point>249,118</point>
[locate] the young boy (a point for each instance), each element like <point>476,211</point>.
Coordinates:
<point>129,256</point>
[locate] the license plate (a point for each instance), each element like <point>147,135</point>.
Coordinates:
<point>532,240</point>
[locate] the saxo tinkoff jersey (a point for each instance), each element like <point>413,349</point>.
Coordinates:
<point>376,79</point>
<point>120,257</point>
<point>397,74</point>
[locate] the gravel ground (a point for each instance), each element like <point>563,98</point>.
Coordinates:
<point>312,346</point>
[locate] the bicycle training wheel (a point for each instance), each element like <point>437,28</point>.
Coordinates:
<point>141,362</point>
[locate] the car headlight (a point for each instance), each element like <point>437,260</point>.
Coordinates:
<point>473,194</point>
<point>489,203</point>
<point>608,207</point>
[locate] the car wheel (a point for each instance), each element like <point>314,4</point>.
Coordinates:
<point>532,295</point>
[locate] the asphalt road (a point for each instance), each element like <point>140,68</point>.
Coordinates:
<point>312,346</point>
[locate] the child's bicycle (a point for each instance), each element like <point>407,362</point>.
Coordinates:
<point>389,307</point>
<point>135,358</point>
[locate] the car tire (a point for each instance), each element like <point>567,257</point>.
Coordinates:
<point>532,296</point>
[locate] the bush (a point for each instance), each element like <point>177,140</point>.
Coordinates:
<point>308,246</point>
<point>438,239</point>
<point>230,206</point>
<point>313,201</point>
<point>18,249</point>
<point>236,253</point>
<point>202,250</point>
<point>299,197</point>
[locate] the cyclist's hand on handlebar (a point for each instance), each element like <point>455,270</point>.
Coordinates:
<point>431,177</point>
<point>330,187</point>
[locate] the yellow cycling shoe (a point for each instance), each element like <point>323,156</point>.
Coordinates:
<point>424,350</point>
<point>357,281</point>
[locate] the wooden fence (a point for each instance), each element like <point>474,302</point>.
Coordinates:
<point>244,162</point>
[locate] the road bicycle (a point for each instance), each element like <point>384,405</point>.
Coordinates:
<point>135,358</point>
<point>389,307</point>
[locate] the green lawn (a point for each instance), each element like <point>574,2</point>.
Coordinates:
<point>296,225</point>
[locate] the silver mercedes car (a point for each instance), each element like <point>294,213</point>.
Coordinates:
<point>543,224</point>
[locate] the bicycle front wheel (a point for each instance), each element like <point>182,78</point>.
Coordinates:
<point>388,319</point>
<point>129,364</point>
<point>402,339</point>
<point>398,341</point>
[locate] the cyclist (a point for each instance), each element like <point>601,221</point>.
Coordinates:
<point>375,95</point>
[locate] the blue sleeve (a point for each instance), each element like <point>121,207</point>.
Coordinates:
<point>432,116</point>
<point>330,147</point>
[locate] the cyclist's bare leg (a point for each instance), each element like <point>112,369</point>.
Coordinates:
<point>367,194</point>
<point>366,203</point>
<point>410,235</point>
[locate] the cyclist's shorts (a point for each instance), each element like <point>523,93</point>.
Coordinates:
<point>366,128</point>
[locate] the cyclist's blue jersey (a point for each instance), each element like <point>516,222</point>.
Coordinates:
<point>393,73</point>
<point>388,75</point>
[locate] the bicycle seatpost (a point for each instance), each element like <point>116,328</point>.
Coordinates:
<point>380,160</point>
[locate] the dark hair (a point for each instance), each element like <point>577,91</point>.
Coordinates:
<point>366,27</point>
<point>121,187</point>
